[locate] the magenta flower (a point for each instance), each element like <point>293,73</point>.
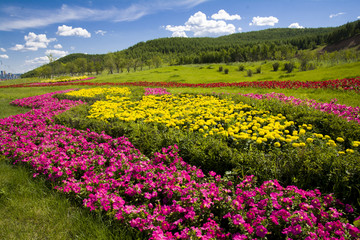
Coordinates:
<point>261,231</point>
<point>238,219</point>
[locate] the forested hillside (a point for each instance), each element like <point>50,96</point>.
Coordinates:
<point>270,44</point>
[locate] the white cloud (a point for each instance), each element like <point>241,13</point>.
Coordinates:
<point>70,31</point>
<point>72,48</point>
<point>358,17</point>
<point>17,47</point>
<point>4,56</point>
<point>58,46</point>
<point>239,29</point>
<point>37,61</point>
<point>179,34</point>
<point>2,49</point>
<point>56,53</point>
<point>33,42</point>
<point>178,31</point>
<point>201,26</point>
<point>34,18</point>
<point>295,25</point>
<point>336,14</point>
<point>101,32</point>
<point>264,21</point>
<point>223,15</point>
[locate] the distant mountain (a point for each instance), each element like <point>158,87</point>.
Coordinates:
<point>275,43</point>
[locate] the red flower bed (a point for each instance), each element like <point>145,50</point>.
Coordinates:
<point>344,84</point>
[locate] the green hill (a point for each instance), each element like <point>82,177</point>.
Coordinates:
<point>269,44</point>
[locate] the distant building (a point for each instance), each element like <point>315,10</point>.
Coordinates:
<point>8,76</point>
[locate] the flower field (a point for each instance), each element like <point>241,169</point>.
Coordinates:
<point>67,79</point>
<point>161,195</point>
<point>207,115</point>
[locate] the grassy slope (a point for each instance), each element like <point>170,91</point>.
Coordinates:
<point>202,74</point>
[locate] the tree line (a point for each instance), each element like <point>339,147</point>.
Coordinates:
<point>269,44</point>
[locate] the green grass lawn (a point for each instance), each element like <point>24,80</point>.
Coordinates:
<point>30,209</point>
<point>208,73</point>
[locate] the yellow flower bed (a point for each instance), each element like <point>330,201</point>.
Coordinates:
<point>64,79</point>
<point>205,114</point>
<point>208,115</point>
<point>92,92</point>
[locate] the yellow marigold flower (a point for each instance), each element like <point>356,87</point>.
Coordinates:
<point>341,152</point>
<point>295,145</point>
<point>339,139</point>
<point>277,144</point>
<point>349,151</point>
<point>302,132</point>
<point>258,141</point>
<point>309,140</point>
<point>302,144</point>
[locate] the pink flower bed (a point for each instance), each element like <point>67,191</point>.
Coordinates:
<point>163,195</point>
<point>156,91</point>
<point>347,112</point>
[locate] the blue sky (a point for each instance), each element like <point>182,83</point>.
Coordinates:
<point>31,30</point>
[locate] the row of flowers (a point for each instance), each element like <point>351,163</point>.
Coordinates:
<point>209,115</point>
<point>343,84</point>
<point>164,196</point>
<point>155,91</point>
<point>67,79</point>
<point>348,112</point>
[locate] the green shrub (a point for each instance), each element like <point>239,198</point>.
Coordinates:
<point>258,69</point>
<point>241,68</point>
<point>249,73</point>
<point>220,68</point>
<point>289,67</point>
<point>226,70</point>
<point>276,66</point>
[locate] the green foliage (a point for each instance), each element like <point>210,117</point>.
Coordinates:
<point>276,66</point>
<point>226,71</point>
<point>345,31</point>
<point>289,67</point>
<point>249,73</point>
<point>258,69</point>
<point>241,68</point>
<point>220,69</point>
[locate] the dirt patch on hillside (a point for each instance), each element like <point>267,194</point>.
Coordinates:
<point>345,44</point>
